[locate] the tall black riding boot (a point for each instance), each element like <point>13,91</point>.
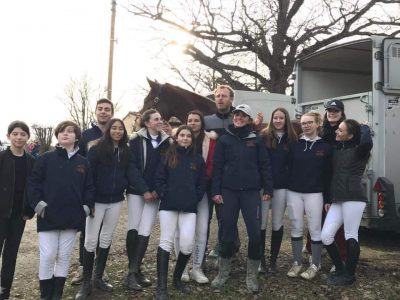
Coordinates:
<point>263,266</point>
<point>276,241</point>
<point>334,254</point>
<point>142,243</point>
<point>4,293</point>
<point>162,274</point>
<point>58,287</point>
<point>353,253</point>
<point>86,287</point>
<point>101,261</point>
<point>180,266</point>
<point>46,289</point>
<point>131,248</point>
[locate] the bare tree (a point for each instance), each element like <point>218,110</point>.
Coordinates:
<point>80,99</point>
<point>253,44</point>
<point>44,135</point>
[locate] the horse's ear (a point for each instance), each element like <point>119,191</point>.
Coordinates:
<point>153,84</point>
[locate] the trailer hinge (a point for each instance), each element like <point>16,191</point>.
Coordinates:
<point>368,107</point>
<point>378,55</point>
<point>378,85</point>
<point>293,100</point>
<point>369,172</point>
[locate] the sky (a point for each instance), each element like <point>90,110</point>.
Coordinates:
<point>45,43</point>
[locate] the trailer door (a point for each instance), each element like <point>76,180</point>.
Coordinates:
<point>391,65</point>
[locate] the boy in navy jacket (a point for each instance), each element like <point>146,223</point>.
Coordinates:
<point>61,193</point>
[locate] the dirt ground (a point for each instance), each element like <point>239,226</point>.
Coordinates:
<point>378,271</point>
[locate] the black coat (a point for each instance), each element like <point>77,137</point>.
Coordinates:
<point>7,179</point>
<point>349,162</point>
<point>65,185</point>
<point>145,160</point>
<point>183,187</point>
<point>241,163</point>
<point>110,180</point>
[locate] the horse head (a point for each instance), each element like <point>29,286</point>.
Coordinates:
<point>171,100</point>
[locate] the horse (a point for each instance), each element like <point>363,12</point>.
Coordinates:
<point>171,100</point>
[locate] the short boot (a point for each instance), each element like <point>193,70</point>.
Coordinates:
<point>101,261</point>
<point>86,286</point>
<point>131,248</point>
<point>162,274</point>
<point>46,289</point>
<point>334,254</point>
<point>142,243</point>
<point>263,266</point>
<point>251,276</point>
<point>223,273</point>
<point>276,241</point>
<point>180,266</point>
<point>353,253</point>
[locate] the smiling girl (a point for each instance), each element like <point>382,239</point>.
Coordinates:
<point>241,169</point>
<point>278,136</point>
<point>180,183</point>
<point>309,178</point>
<point>109,160</point>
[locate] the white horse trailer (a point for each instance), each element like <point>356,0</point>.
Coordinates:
<point>365,75</point>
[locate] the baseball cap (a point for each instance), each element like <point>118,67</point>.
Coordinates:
<point>245,109</point>
<point>335,104</point>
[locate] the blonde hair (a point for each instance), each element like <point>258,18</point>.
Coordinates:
<point>225,86</point>
<point>317,119</point>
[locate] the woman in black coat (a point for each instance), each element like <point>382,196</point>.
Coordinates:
<point>241,169</point>
<point>348,197</point>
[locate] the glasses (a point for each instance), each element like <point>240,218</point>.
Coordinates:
<point>309,123</point>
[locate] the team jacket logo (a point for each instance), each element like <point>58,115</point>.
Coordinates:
<point>193,166</point>
<point>319,153</point>
<point>81,169</point>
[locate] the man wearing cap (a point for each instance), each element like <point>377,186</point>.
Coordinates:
<point>241,169</point>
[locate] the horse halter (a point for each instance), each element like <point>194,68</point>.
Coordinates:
<point>158,97</point>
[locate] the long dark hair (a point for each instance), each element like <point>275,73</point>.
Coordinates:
<point>172,154</point>
<point>270,132</point>
<point>199,139</point>
<point>105,147</point>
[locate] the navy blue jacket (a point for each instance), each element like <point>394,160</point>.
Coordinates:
<point>241,164</point>
<point>7,180</point>
<point>146,160</point>
<point>183,187</point>
<point>110,180</point>
<point>310,167</point>
<point>88,136</point>
<point>279,158</point>
<point>65,185</point>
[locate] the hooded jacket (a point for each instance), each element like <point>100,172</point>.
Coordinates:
<point>310,166</point>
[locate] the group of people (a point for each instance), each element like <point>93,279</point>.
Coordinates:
<point>223,161</point>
